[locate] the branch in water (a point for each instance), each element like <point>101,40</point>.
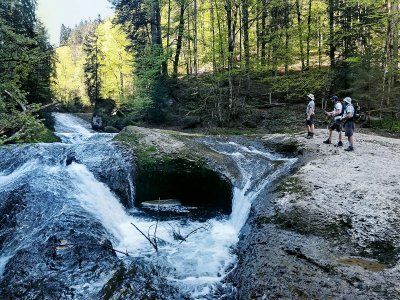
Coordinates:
<point>153,243</point>
<point>183,238</point>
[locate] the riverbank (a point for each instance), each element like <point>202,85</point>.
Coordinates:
<point>331,229</point>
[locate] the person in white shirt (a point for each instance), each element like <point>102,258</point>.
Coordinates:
<point>336,123</point>
<point>348,119</point>
<point>310,116</point>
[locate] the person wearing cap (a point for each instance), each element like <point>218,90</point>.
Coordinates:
<point>336,123</point>
<point>310,115</point>
<point>348,119</point>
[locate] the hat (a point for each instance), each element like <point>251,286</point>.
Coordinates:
<point>311,96</point>
<point>347,100</point>
<point>335,98</point>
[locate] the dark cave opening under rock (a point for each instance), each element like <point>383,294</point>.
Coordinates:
<point>191,183</point>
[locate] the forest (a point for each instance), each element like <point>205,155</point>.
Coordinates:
<point>208,63</point>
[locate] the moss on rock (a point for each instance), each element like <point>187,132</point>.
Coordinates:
<point>171,165</point>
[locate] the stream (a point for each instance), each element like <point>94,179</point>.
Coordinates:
<point>57,197</point>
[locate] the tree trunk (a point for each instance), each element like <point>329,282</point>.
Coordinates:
<point>220,36</point>
<point>395,59</point>
<point>97,69</point>
<point>245,24</point>
<point>287,24</point>
<point>169,24</point>
<point>231,17</point>
<point>213,36</point>
<point>240,35</point>
<point>331,10</point>
<point>258,31</point>
<point>189,63</point>
<point>263,32</point>
<point>319,43</point>
<point>195,49</point>
<point>179,39</point>
<point>156,39</point>
<point>309,32</point>
<point>231,33</point>
<point>300,33</point>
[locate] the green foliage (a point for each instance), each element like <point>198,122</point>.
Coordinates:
<point>17,126</point>
<point>26,60</point>
<point>293,87</point>
<point>91,66</point>
<point>65,33</point>
<point>68,82</point>
<point>116,63</point>
<point>150,87</point>
<point>388,124</point>
<point>94,56</point>
<point>294,47</point>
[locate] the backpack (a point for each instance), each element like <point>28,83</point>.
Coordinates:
<point>356,107</point>
<point>343,109</point>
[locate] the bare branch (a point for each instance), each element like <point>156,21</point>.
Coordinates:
<point>154,244</point>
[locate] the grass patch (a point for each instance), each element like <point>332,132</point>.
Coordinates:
<point>390,125</point>
<point>43,136</point>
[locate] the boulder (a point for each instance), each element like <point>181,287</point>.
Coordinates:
<point>172,165</point>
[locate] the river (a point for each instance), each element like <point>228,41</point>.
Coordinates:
<point>55,200</point>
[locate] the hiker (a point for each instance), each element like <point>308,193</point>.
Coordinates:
<point>336,123</point>
<point>310,116</point>
<point>348,119</point>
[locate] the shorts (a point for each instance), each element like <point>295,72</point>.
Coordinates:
<point>311,121</point>
<point>336,125</point>
<point>349,128</point>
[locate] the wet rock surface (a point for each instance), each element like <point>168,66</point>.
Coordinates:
<point>51,247</point>
<point>329,230</point>
<point>54,242</point>
<point>173,165</point>
<point>140,280</point>
<point>52,255</point>
<point>112,164</point>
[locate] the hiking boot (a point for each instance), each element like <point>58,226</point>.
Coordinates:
<point>349,149</point>
<point>340,144</point>
<point>311,136</point>
<point>327,142</point>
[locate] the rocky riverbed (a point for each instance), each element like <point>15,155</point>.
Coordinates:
<point>330,230</point>
<point>77,222</point>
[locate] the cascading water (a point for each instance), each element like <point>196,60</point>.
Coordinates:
<point>195,265</point>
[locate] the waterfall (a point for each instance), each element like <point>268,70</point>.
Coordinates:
<point>198,263</point>
<point>254,166</point>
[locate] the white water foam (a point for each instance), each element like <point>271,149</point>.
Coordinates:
<point>205,257</point>
<point>71,129</point>
<point>3,262</point>
<point>66,123</point>
<point>196,257</point>
<point>200,261</point>
<point>9,178</point>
